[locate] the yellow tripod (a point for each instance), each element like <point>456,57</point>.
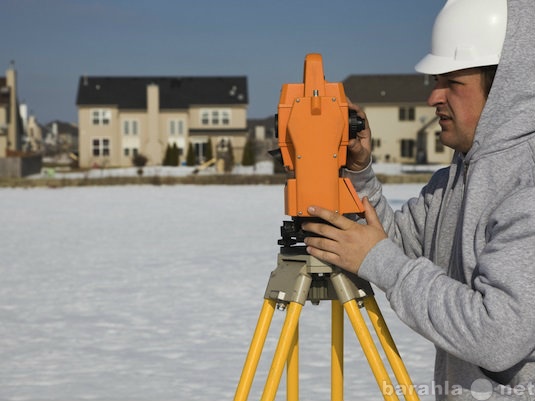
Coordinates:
<point>300,277</point>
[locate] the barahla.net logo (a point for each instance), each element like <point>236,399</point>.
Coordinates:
<point>480,390</point>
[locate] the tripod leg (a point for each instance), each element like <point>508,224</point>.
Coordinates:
<point>255,350</point>
<point>282,351</point>
<point>369,348</point>
<point>387,342</point>
<point>337,352</point>
<point>292,377</point>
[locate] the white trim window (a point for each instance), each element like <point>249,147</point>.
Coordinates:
<point>176,127</point>
<point>205,117</point>
<point>130,127</point>
<point>407,114</point>
<point>130,152</point>
<point>407,147</point>
<point>100,116</point>
<point>225,117</point>
<point>215,117</point>
<point>100,146</point>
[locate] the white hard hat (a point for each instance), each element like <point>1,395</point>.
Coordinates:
<point>466,34</point>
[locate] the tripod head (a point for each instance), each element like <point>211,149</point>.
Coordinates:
<point>314,125</point>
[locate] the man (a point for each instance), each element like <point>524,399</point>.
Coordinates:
<point>457,263</point>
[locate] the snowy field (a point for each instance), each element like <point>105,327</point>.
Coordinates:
<point>152,293</point>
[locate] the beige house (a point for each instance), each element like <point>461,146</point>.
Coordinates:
<point>121,117</point>
<point>32,141</point>
<point>404,128</point>
<point>17,156</point>
<point>11,128</point>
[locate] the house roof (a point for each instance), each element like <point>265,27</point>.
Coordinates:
<point>407,88</point>
<point>175,92</point>
<point>62,127</point>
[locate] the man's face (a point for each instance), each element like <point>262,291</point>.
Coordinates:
<point>459,100</point>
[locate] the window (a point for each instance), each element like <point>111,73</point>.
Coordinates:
<point>376,143</point>
<point>407,147</point>
<point>225,117</point>
<point>439,146</point>
<point>101,146</point>
<point>406,114</point>
<point>101,116</point>
<point>176,127</point>
<point>130,152</point>
<point>130,127</point>
<point>205,117</point>
<point>215,117</point>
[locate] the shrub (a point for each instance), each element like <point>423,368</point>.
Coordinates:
<point>139,160</point>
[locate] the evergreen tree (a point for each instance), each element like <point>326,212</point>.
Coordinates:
<point>230,164</point>
<point>248,158</point>
<point>167,160</point>
<point>190,157</point>
<point>209,150</point>
<point>175,155</point>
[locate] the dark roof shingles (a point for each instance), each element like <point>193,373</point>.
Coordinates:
<point>175,92</point>
<point>408,88</point>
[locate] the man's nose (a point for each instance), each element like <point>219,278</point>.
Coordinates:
<point>436,97</point>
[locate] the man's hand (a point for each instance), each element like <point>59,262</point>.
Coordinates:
<point>345,243</point>
<point>360,148</point>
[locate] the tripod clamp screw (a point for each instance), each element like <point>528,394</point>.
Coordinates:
<point>282,302</point>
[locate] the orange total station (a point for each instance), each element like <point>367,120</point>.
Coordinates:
<point>314,125</point>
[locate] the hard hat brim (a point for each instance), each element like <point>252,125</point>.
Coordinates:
<point>436,65</point>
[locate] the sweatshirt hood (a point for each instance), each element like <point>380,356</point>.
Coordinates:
<point>508,117</point>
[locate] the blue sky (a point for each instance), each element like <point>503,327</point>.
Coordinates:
<point>54,42</point>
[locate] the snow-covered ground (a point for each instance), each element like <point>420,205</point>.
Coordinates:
<point>152,293</point>
<point>264,167</point>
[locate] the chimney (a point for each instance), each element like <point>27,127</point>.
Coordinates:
<point>153,149</point>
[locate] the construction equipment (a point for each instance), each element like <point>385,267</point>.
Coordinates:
<point>314,125</point>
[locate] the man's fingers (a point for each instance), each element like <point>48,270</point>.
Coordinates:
<point>329,216</point>
<point>325,244</point>
<point>324,249</point>
<point>371,215</point>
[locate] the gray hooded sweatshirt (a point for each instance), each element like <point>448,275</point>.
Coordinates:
<point>459,264</point>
